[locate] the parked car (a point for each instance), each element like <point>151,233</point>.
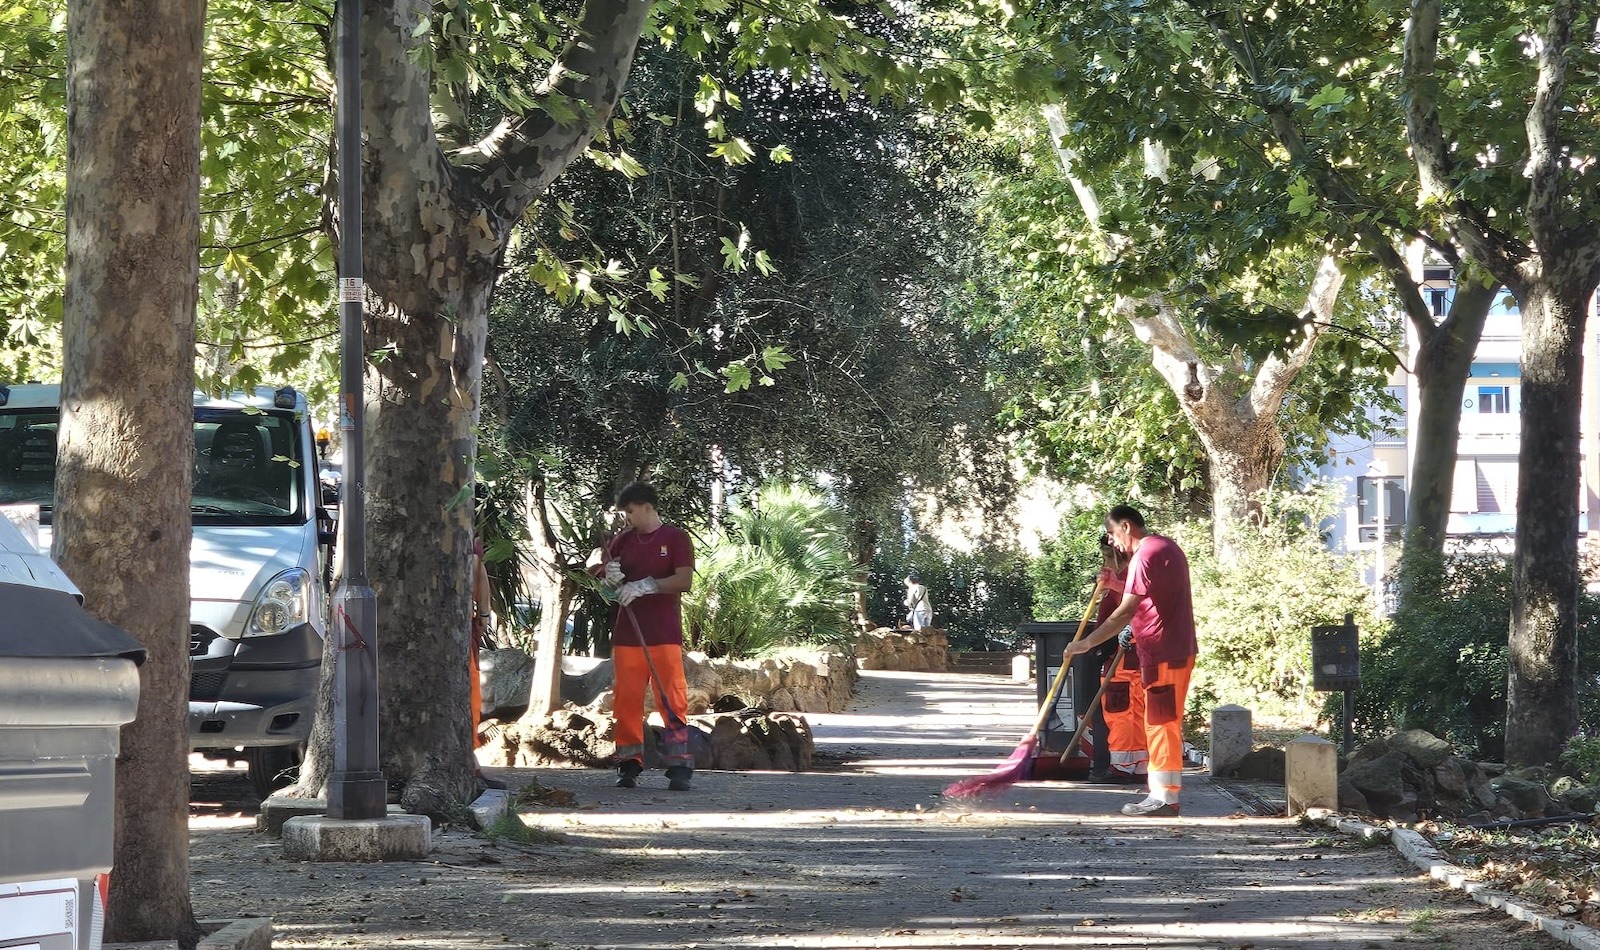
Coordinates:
<point>256,566</point>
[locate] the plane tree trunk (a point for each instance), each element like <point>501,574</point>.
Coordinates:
<point>126,445</point>
<point>435,227</point>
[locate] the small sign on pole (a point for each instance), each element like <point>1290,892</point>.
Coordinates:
<point>1336,667</point>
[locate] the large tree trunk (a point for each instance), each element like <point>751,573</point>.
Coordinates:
<point>435,227</point>
<point>424,423</point>
<point>864,534</point>
<point>1541,693</point>
<point>1442,365</point>
<point>1244,460</point>
<point>126,450</point>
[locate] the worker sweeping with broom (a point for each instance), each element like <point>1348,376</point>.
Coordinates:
<point>650,565</point>
<point>1159,607</point>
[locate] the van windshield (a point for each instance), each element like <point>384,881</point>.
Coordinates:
<point>247,465</point>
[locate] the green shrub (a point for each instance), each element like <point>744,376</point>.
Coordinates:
<point>780,575</point>
<point>1254,616</point>
<point>979,597</point>
<point>1583,755</point>
<point>1442,665</point>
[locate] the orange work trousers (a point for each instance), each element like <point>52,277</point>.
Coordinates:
<point>632,672</point>
<point>1164,695</point>
<point>1123,708</point>
<point>475,691</point>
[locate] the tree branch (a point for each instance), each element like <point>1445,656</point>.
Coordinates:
<point>1277,372</point>
<point>525,153</point>
<point>1066,156</point>
<point>1420,92</point>
<point>1545,168</point>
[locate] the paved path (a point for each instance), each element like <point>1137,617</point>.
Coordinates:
<point>868,855</point>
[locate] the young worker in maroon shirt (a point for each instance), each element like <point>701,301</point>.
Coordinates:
<point>1158,605</point>
<point>651,565</point>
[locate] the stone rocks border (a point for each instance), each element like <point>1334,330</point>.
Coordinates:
<point>907,651</point>
<point>243,933</point>
<point>1425,857</point>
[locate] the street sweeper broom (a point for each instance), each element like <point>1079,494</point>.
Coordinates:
<point>1019,767</point>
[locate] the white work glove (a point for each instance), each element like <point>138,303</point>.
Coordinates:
<point>613,576</point>
<point>633,590</point>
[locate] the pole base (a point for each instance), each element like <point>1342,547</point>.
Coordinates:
<point>396,838</point>
<point>357,795</point>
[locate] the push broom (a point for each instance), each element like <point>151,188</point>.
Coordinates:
<point>1019,767</point>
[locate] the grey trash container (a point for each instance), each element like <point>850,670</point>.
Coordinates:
<point>68,683</point>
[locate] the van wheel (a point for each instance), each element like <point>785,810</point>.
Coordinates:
<point>272,767</point>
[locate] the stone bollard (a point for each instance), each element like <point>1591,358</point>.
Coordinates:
<point>1021,668</point>
<point>1231,738</point>
<point>1311,774</point>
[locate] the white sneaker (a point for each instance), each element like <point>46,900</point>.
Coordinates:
<point>1150,808</point>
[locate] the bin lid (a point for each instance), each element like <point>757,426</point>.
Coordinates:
<point>45,622</point>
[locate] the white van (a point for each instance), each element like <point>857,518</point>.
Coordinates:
<point>256,567</point>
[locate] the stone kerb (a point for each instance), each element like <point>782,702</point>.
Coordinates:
<point>921,651</point>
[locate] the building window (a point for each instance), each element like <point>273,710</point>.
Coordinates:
<point>1494,400</point>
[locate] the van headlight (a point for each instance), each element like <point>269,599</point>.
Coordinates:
<point>284,603</point>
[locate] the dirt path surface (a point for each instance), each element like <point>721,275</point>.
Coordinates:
<point>863,855</point>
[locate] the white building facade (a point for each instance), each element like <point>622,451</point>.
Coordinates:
<point>1483,500</point>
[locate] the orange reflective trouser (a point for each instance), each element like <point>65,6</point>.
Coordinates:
<point>1165,689</point>
<point>476,689</point>
<point>632,673</point>
<point>1123,707</point>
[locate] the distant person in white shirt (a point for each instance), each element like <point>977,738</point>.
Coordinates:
<point>919,607</point>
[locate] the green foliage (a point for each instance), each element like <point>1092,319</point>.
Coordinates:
<point>1583,755</point>
<point>1064,573</point>
<point>979,597</point>
<point>1442,665</point>
<point>780,575</point>
<point>1254,616</point>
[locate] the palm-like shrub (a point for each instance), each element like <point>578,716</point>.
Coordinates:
<point>779,575</point>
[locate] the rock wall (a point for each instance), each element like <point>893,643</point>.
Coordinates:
<point>746,740</point>
<point>506,679</point>
<point>1414,774</point>
<point>819,681</point>
<point>888,649</point>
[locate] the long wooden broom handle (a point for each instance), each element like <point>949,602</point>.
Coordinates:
<point>1061,676</point>
<point>1083,721</point>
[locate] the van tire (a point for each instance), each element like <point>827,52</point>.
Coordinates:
<point>272,767</point>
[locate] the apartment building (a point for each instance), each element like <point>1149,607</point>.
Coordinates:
<point>1483,501</point>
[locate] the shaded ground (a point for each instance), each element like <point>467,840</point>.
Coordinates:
<point>864,855</point>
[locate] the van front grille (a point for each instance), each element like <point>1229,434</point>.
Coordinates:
<point>205,686</point>
<point>200,639</point>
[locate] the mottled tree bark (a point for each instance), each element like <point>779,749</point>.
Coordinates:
<point>1237,425</point>
<point>434,229</point>
<point>1443,363</point>
<point>1553,266</point>
<point>1542,684</point>
<point>126,449</point>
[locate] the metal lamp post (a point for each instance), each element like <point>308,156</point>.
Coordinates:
<point>356,789</point>
<point>1379,475</point>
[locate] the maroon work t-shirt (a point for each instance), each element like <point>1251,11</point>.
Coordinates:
<point>1163,624</point>
<point>657,554</point>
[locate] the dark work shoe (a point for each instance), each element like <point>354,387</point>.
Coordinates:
<point>678,778</point>
<point>1150,809</point>
<point>1100,777</point>
<point>628,774</point>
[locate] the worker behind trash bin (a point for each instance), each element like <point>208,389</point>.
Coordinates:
<point>1120,754</point>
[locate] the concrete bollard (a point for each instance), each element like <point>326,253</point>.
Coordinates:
<point>1231,738</point>
<point>1021,668</point>
<point>1311,774</point>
